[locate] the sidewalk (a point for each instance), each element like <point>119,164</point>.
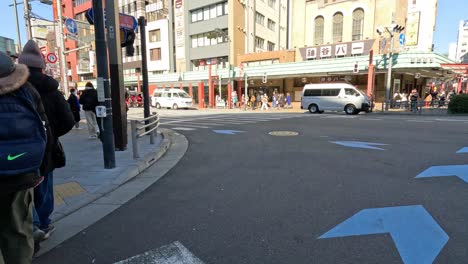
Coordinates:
<point>84,179</point>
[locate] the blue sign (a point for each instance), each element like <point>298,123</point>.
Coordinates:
<point>71,26</point>
<point>358,144</point>
<point>402,39</point>
<point>463,150</point>
<point>227,132</point>
<point>417,236</point>
<point>384,44</point>
<point>460,171</point>
<point>125,21</point>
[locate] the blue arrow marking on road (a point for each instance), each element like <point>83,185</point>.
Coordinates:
<point>358,144</point>
<point>460,171</point>
<point>463,150</point>
<point>417,236</point>
<point>227,132</point>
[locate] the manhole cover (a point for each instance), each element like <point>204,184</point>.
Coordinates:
<point>283,133</point>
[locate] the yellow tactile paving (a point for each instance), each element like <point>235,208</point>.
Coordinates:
<point>62,191</point>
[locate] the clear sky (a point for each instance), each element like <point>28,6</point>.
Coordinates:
<point>448,16</point>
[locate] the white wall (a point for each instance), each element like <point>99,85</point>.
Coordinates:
<point>462,45</point>
<point>163,64</point>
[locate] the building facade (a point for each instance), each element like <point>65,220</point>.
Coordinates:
<point>7,46</point>
<point>452,53</point>
<point>462,41</point>
<point>420,25</point>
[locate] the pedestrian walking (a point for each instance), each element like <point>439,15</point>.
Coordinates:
<point>288,100</point>
<point>60,122</point>
<point>89,101</point>
<point>414,97</point>
<point>259,99</point>
<point>274,101</point>
<point>264,102</point>
<point>23,139</point>
<point>253,101</point>
<point>234,99</point>
<point>75,107</point>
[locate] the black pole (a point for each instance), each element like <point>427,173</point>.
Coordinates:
<point>104,93</point>
<point>144,66</point>
<point>119,111</point>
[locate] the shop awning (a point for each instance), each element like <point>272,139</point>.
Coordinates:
<point>457,68</point>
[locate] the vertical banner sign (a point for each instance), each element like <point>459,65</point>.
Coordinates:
<point>179,29</point>
<point>412,29</point>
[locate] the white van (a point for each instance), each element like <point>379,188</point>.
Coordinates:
<point>171,98</point>
<point>334,97</point>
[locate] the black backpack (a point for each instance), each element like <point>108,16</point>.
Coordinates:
<point>22,135</point>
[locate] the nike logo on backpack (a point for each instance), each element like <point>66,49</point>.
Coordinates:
<point>11,158</point>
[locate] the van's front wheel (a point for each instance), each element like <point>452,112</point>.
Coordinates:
<point>313,108</point>
<point>158,106</point>
<point>350,109</point>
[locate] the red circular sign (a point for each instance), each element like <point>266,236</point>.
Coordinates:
<point>51,58</point>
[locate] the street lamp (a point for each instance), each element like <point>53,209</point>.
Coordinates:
<point>392,29</point>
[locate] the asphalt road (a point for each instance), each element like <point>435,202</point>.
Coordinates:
<point>256,198</point>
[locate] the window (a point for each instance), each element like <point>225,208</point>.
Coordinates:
<point>358,24</point>
<point>271,24</point>
<point>330,92</point>
<point>129,6</point>
<point>313,92</point>
<point>272,3</point>
<point>137,50</point>
<point>337,27</point>
<point>318,34</point>
<point>414,2</point>
<point>259,43</point>
<point>155,35</point>
<point>209,39</point>
<point>155,54</point>
<point>351,92</point>
<point>259,18</point>
<point>209,12</point>
<point>271,46</point>
<point>135,6</point>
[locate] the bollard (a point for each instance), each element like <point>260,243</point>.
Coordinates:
<point>134,129</point>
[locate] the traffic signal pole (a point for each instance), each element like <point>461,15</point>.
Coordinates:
<point>144,66</point>
<point>119,111</point>
<point>103,89</point>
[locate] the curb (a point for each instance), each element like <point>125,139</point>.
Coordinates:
<point>76,222</point>
<point>128,174</point>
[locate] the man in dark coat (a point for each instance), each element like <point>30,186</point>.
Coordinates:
<point>75,107</point>
<point>61,122</point>
<point>89,100</point>
<point>16,192</point>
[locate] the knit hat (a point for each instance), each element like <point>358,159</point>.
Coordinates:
<point>11,76</point>
<point>32,56</point>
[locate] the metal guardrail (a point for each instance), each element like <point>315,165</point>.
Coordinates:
<point>148,126</point>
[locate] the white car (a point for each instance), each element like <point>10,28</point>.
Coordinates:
<point>334,97</point>
<point>171,98</point>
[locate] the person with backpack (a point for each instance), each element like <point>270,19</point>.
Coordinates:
<point>89,100</point>
<point>75,107</point>
<point>60,121</point>
<point>21,157</point>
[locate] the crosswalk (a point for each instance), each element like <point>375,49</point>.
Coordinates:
<point>189,123</point>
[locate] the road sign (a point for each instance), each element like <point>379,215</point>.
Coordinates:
<point>51,58</point>
<point>384,44</point>
<point>402,39</point>
<point>125,21</point>
<point>265,78</point>
<point>417,75</point>
<point>417,236</point>
<point>71,26</point>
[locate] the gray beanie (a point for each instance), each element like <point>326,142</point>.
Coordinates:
<point>32,56</point>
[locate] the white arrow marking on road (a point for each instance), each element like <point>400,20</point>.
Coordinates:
<point>174,253</point>
<point>183,128</point>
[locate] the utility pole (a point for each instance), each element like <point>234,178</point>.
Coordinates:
<point>63,66</point>
<point>17,24</point>
<point>389,74</point>
<point>27,22</point>
<point>119,111</point>
<point>144,66</point>
<point>103,88</point>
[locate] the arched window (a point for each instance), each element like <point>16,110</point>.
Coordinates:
<point>338,27</point>
<point>358,24</point>
<point>318,35</point>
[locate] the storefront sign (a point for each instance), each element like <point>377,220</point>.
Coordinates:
<point>311,53</point>
<point>337,50</point>
<point>325,51</point>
